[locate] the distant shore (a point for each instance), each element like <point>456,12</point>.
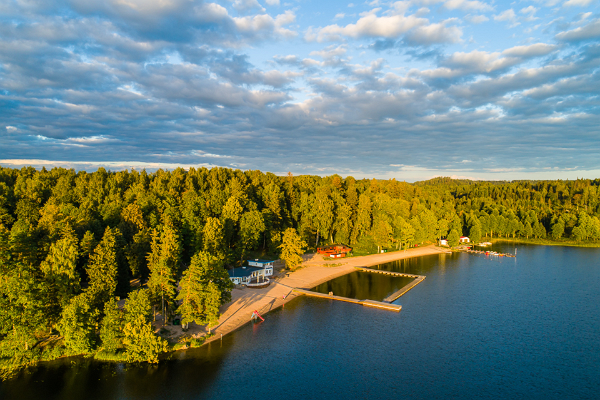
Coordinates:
<point>315,270</point>
<point>545,242</point>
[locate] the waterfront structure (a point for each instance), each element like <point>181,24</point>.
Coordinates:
<point>443,242</point>
<point>266,264</point>
<point>256,271</point>
<point>464,239</point>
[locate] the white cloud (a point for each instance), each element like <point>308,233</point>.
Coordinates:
<point>577,3</point>
<point>529,12</point>
<point>264,23</point>
<point>272,2</point>
<point>507,16</point>
<point>533,50</point>
<point>589,31</point>
<point>339,16</point>
<point>476,19</point>
<point>369,26</point>
<point>467,5</point>
<point>478,61</point>
<point>11,128</point>
<point>246,6</point>
<point>435,33</point>
<point>330,52</point>
<point>90,139</point>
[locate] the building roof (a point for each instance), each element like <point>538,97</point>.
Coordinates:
<point>242,272</point>
<point>262,261</point>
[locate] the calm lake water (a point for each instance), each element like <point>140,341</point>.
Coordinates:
<point>478,327</point>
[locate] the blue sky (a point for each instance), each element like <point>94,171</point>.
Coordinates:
<point>406,90</point>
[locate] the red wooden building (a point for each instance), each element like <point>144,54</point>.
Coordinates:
<point>334,250</point>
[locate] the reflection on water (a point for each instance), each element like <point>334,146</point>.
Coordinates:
<point>476,327</point>
<point>364,285</point>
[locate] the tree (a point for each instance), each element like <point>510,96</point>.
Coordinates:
<point>141,344</point>
<point>558,229</point>
<point>382,234</point>
<point>323,216</point>
<point>292,249</point>
<point>539,230</point>
<point>202,290</point>
<point>59,269</point>
<point>102,270</point>
<point>343,223</point>
<point>232,212</point>
<point>363,217</point>
<point>579,233</point>
<point>453,238</point>
<point>405,233</point>
<point>528,230</point>
<point>475,233</point>
<point>111,329</point>
<point>163,262</point>
<point>251,227</point>
<point>213,237</point>
<point>77,325</point>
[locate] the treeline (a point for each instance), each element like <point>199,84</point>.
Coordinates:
<point>71,242</point>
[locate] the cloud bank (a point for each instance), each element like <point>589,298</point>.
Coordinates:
<point>278,87</point>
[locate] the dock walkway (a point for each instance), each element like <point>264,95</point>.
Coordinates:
<point>367,303</point>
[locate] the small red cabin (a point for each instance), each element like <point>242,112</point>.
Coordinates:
<point>334,250</point>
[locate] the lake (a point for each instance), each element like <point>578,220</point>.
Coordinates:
<point>477,327</point>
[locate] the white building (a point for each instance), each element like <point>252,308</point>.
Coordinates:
<point>266,264</point>
<point>256,270</point>
<point>464,239</point>
<point>241,276</point>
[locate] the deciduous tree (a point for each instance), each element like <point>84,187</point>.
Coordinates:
<point>292,249</point>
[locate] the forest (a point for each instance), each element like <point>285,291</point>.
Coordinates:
<point>89,260</point>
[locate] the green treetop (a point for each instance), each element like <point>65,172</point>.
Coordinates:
<point>141,344</point>
<point>292,248</point>
<point>202,290</point>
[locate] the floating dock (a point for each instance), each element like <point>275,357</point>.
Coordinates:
<point>367,303</point>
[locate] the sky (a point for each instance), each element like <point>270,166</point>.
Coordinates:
<point>407,90</point>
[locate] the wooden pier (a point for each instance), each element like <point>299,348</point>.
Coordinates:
<point>396,295</point>
<point>367,303</point>
<point>379,271</point>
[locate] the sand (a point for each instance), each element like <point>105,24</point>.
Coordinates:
<point>315,270</point>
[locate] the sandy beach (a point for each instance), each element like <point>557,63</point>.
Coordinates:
<point>315,270</point>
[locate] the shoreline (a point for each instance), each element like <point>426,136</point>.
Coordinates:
<point>547,242</point>
<point>315,271</point>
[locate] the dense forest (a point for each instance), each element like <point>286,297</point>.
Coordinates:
<point>73,243</point>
